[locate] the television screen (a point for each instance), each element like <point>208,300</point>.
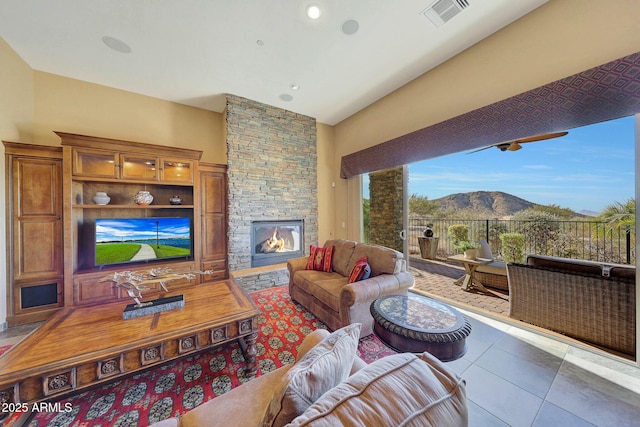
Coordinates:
<point>123,240</point>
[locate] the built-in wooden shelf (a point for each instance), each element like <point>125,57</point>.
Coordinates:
<point>133,207</point>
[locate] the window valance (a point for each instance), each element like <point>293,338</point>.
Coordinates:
<point>607,92</point>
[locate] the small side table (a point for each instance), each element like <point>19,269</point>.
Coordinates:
<point>469,281</point>
<point>416,323</point>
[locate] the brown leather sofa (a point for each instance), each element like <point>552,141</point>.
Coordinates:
<point>310,393</point>
<point>337,303</point>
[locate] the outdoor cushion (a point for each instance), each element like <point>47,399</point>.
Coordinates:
<point>322,368</point>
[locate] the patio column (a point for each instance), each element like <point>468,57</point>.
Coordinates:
<point>386,208</point>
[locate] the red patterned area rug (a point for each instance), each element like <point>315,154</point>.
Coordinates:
<point>178,386</point>
<point>4,348</point>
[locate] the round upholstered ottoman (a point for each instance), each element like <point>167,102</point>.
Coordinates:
<point>416,323</point>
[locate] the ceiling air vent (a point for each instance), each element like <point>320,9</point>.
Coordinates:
<point>442,11</point>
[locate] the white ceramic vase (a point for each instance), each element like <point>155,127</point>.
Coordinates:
<point>101,198</point>
<point>143,198</point>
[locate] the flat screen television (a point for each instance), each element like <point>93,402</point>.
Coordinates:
<point>127,240</point>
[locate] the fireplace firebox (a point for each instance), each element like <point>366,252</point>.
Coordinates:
<point>274,242</point>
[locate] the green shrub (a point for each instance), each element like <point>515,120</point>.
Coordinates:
<point>458,233</point>
<point>512,247</point>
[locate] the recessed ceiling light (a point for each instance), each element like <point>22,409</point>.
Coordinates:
<point>313,11</point>
<point>286,97</point>
<point>259,42</point>
<point>350,26</point>
<point>116,44</point>
<point>295,87</point>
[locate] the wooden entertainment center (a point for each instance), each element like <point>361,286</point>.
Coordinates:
<point>51,244</point>
<point>53,273</point>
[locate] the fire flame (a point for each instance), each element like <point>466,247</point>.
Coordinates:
<point>274,243</point>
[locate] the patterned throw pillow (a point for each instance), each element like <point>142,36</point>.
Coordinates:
<point>320,259</point>
<point>361,271</point>
<point>323,367</point>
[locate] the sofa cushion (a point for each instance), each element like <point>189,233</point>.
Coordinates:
<point>341,255</point>
<point>425,392</point>
<point>570,265</point>
<point>583,267</point>
<point>322,368</point>
<point>382,260</point>
<point>360,271</point>
<point>325,287</point>
<point>320,258</point>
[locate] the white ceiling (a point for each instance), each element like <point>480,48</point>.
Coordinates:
<point>194,51</point>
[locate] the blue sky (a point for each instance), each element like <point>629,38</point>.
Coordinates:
<point>589,168</point>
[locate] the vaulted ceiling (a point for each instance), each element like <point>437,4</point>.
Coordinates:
<point>195,51</point>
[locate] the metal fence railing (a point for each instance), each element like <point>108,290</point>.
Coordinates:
<point>588,240</point>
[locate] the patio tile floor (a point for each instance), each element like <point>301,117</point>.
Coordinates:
<point>435,278</point>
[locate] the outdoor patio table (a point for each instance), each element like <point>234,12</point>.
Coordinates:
<point>469,281</point>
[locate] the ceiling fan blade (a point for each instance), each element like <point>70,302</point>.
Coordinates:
<point>541,137</point>
<point>480,149</point>
<point>515,144</point>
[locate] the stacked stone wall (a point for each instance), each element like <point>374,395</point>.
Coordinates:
<point>386,207</point>
<point>272,172</point>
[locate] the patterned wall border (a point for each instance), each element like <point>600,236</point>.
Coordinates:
<point>607,92</point>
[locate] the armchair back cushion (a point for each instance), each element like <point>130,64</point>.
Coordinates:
<point>420,389</point>
<point>322,368</point>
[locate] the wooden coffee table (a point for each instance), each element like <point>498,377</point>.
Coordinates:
<point>80,347</point>
<point>416,323</point>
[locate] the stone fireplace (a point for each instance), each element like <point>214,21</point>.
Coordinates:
<point>274,242</point>
<point>272,176</point>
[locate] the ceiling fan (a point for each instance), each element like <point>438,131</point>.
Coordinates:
<point>515,144</point>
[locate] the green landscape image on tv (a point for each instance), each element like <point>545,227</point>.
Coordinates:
<point>125,240</point>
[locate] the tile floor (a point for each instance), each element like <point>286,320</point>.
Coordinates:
<point>519,378</point>
<point>516,377</point>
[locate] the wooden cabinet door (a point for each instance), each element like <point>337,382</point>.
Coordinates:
<point>176,170</point>
<point>139,167</point>
<point>95,164</point>
<point>37,219</point>
<point>214,223</point>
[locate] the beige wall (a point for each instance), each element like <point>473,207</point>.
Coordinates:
<point>559,39</point>
<point>327,180</point>
<point>16,124</point>
<point>69,105</point>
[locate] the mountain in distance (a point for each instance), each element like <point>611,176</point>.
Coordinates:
<point>493,204</point>
<point>587,212</point>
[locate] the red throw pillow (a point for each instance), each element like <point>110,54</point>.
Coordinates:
<point>361,271</point>
<point>320,259</point>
